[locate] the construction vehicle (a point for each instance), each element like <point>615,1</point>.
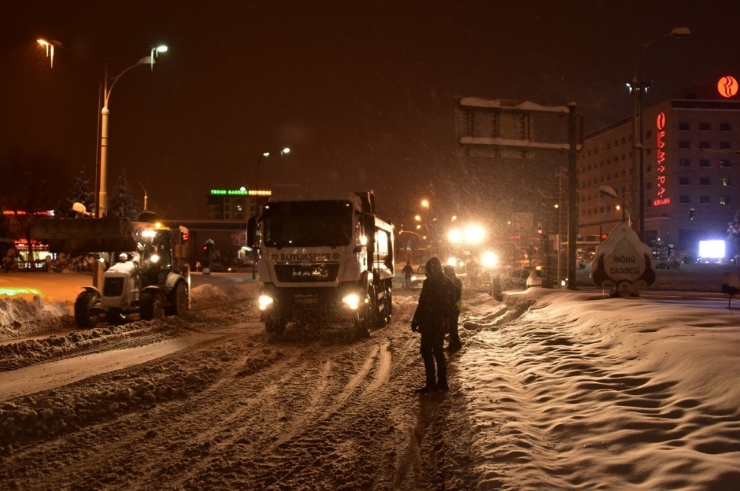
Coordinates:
<point>143,275</point>
<point>323,258</point>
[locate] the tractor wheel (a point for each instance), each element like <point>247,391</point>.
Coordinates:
<point>178,300</point>
<point>85,315</point>
<point>152,306</point>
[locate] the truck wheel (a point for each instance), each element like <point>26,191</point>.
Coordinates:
<point>274,325</point>
<point>178,300</point>
<point>85,315</point>
<point>152,306</point>
<point>363,318</point>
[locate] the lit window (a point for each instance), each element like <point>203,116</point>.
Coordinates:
<point>725,163</point>
<point>725,181</point>
<point>724,200</point>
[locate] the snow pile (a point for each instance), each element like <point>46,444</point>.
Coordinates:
<point>593,393</point>
<point>210,294</point>
<point>15,311</point>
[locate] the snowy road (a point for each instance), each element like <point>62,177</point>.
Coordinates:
<point>209,401</point>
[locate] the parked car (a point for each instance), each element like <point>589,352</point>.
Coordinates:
<point>417,279</point>
<point>521,279</point>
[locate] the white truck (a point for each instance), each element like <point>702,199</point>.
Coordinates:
<point>323,258</point>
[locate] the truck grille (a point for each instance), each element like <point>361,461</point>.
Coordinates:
<point>113,287</point>
<point>299,273</point>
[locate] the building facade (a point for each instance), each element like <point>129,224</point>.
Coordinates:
<point>691,172</point>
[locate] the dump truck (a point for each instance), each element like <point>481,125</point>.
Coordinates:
<point>143,275</point>
<point>323,258</point>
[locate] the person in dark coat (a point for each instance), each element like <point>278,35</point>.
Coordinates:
<point>455,343</point>
<point>407,271</point>
<point>432,319</point>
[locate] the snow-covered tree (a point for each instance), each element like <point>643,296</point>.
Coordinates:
<point>121,203</point>
<point>733,234</point>
<point>81,193</point>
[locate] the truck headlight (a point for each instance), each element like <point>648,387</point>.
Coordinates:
<point>264,302</point>
<point>352,301</point>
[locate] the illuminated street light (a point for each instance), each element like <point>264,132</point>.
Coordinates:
<point>418,227</point>
<point>104,112</point>
<point>425,203</point>
<point>146,196</point>
<point>417,218</point>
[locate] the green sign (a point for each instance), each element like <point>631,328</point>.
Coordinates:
<point>229,192</point>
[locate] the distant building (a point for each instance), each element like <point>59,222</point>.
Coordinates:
<point>235,204</point>
<point>691,160</point>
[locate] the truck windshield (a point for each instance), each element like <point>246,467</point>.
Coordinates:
<point>307,223</point>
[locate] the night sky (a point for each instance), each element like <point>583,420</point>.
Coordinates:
<point>363,92</point>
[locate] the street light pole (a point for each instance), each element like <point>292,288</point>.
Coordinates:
<point>104,114</point>
<point>284,151</point>
<point>146,196</point>
<point>636,90</point>
<point>102,195</point>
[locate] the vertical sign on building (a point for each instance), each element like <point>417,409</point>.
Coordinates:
<point>662,199</point>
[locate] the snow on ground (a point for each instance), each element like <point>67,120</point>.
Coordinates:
<point>586,392</point>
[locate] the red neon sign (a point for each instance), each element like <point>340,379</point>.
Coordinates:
<point>727,86</point>
<point>660,160</point>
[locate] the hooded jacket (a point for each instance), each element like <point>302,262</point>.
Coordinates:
<point>436,301</point>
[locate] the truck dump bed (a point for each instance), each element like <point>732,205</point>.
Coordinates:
<point>82,235</point>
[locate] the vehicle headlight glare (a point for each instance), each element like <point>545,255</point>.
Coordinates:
<point>264,302</point>
<point>154,258</point>
<point>352,301</point>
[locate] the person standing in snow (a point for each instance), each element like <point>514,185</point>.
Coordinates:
<point>432,319</point>
<point>455,343</point>
<point>407,272</point>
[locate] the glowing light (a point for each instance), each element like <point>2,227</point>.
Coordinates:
<point>418,227</point>
<point>352,301</point>
<point>425,203</point>
<point>660,121</point>
<point>474,234</point>
<point>455,236</point>
<point>452,262</point>
<point>417,218</point>
<point>19,291</point>
<point>148,233</point>
<point>489,259</point>
<point>714,249</point>
<point>727,86</point>
<point>154,258</point>
<point>264,302</point>
<point>363,240</point>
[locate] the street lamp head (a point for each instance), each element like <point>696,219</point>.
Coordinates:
<point>680,32</point>
<point>44,42</point>
<point>284,151</point>
<point>265,154</point>
<point>161,48</point>
<point>425,203</point>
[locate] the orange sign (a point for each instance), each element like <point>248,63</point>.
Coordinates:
<point>727,86</point>
<point>660,160</point>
